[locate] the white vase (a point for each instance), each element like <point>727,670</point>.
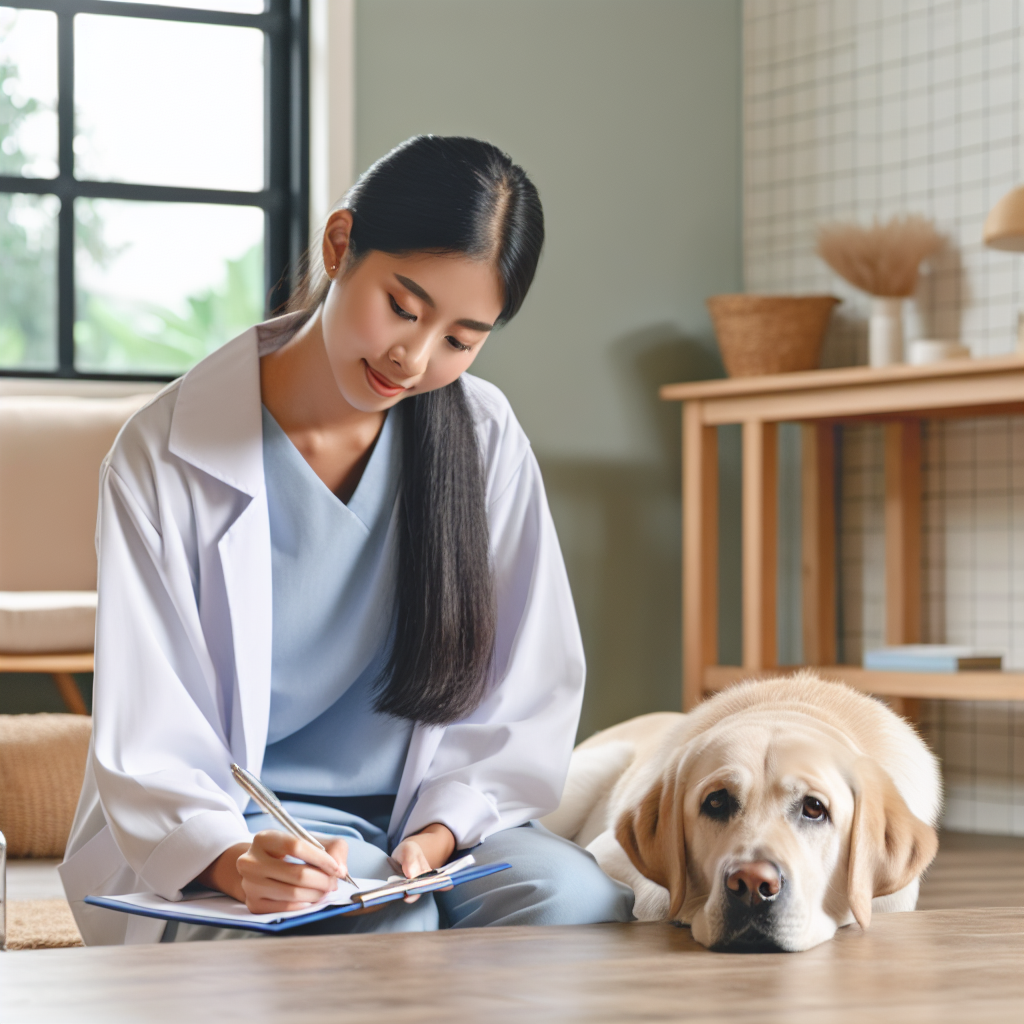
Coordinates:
<point>885,332</point>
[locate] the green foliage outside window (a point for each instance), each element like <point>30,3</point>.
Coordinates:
<point>28,258</point>
<point>111,335</point>
<point>115,336</point>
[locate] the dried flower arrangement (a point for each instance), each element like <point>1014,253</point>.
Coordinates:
<point>882,259</point>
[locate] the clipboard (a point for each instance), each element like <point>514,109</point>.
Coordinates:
<point>154,906</point>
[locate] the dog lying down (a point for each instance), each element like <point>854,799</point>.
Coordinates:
<point>773,814</point>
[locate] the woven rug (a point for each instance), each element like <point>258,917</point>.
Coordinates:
<point>41,924</point>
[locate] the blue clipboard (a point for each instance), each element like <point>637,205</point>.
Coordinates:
<point>173,913</point>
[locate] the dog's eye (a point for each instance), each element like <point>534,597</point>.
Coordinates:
<point>718,805</point>
<point>813,809</point>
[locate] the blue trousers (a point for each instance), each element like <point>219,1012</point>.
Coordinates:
<point>551,881</point>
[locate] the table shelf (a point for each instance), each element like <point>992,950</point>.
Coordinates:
<point>913,685</point>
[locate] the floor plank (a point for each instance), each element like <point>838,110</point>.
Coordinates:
<point>33,879</point>
<point>975,871</point>
<point>936,966</point>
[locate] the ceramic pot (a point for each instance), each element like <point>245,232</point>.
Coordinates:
<point>885,332</point>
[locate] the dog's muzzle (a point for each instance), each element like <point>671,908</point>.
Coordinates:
<point>753,893</point>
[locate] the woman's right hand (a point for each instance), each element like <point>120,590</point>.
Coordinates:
<point>258,875</point>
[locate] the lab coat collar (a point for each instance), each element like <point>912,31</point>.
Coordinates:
<point>217,424</point>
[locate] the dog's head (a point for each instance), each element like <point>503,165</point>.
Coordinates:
<point>769,836</point>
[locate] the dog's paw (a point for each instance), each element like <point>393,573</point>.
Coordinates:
<point>652,901</point>
<point>904,899</point>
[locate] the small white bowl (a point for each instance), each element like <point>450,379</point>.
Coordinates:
<point>928,350</point>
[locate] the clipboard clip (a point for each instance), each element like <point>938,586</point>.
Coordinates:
<point>434,879</point>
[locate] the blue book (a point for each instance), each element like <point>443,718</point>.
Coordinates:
<point>931,658</point>
<point>217,910</point>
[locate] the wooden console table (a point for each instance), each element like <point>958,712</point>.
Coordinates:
<point>900,397</point>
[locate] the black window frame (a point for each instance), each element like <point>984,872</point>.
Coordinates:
<point>284,197</point>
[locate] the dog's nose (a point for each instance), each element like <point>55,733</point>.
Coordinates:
<point>758,881</point>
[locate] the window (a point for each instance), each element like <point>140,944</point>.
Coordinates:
<point>153,180</point>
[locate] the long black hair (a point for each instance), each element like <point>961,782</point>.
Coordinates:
<point>449,196</point>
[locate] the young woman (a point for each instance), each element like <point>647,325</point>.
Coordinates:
<point>325,553</point>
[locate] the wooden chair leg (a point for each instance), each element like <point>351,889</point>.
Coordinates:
<point>760,539</point>
<point>907,707</point>
<point>903,532</point>
<point>903,542</point>
<point>70,693</point>
<point>700,552</point>
<point>819,543</point>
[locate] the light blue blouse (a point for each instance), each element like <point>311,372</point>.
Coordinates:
<point>333,591</point>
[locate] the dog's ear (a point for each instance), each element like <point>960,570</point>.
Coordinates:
<point>889,846</point>
<point>652,836</point>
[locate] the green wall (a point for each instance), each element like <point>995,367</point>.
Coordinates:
<point>626,113</point>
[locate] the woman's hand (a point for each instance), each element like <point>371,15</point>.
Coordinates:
<point>426,850</point>
<point>257,874</point>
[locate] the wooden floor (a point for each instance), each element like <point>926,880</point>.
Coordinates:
<point>975,871</point>
<point>943,966</point>
<point>940,966</point>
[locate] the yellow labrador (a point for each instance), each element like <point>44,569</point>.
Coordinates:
<point>768,817</point>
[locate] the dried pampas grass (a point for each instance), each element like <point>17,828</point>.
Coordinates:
<point>883,259</point>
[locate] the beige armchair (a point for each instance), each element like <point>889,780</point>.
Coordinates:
<point>50,454</point>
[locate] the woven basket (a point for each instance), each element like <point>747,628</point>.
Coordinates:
<point>760,334</point>
<point>42,763</point>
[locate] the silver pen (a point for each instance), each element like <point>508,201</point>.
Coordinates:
<point>269,802</point>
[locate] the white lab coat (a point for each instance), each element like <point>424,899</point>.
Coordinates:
<point>183,638</point>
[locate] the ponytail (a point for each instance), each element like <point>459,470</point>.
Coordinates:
<point>453,196</point>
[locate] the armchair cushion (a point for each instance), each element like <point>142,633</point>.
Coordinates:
<point>47,621</point>
<point>50,454</point>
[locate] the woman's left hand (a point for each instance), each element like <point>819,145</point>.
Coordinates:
<point>424,851</point>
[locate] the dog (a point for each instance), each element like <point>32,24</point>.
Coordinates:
<point>774,813</point>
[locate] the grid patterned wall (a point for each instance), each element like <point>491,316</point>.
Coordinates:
<point>861,108</point>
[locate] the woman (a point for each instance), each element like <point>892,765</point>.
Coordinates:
<point>325,553</point>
